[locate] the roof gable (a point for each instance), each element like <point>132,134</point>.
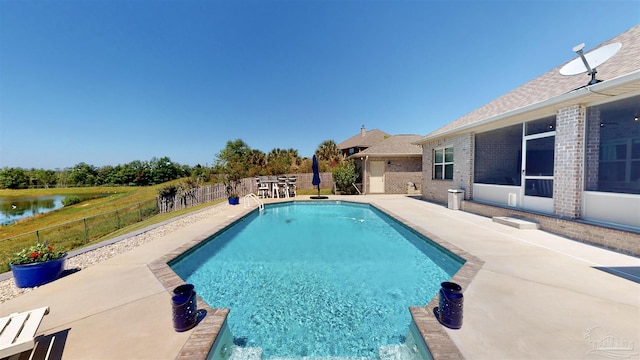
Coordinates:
<point>371,137</point>
<point>396,145</point>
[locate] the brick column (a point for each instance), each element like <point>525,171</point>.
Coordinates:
<point>569,162</point>
<point>592,150</point>
<point>463,164</point>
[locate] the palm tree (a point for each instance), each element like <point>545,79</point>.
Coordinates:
<point>278,161</point>
<point>328,151</point>
<point>294,158</point>
<point>258,162</point>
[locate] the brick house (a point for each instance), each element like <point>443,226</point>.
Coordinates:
<point>392,166</point>
<point>559,150</point>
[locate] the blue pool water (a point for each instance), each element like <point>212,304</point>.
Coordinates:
<point>317,279</point>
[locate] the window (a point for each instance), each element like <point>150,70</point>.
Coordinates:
<point>443,163</point>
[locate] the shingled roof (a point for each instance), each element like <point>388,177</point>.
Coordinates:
<point>396,145</point>
<point>363,139</point>
<point>548,89</point>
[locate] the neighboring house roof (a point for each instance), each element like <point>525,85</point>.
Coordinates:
<point>394,146</point>
<point>363,139</point>
<point>553,91</point>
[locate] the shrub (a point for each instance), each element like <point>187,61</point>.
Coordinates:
<point>71,200</point>
<point>345,175</point>
<point>168,191</point>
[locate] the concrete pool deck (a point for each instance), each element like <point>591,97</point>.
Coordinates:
<point>537,295</point>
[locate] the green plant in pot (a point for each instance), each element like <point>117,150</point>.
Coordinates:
<point>232,165</point>
<point>37,265</point>
<point>233,198</point>
<point>230,178</point>
<point>231,183</point>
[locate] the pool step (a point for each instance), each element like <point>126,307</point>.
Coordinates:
<point>386,352</point>
<point>397,352</point>
<point>246,353</point>
<point>320,358</point>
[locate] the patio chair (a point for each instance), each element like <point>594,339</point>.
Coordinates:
<point>263,187</point>
<point>283,186</point>
<point>274,186</point>
<point>17,331</point>
<point>292,185</point>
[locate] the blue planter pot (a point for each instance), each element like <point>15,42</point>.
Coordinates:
<point>32,275</point>
<point>234,200</point>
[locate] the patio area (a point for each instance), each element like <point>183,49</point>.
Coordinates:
<point>537,295</point>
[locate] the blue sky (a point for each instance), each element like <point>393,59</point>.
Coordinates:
<point>110,82</point>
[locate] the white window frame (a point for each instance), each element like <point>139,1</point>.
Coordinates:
<point>444,162</point>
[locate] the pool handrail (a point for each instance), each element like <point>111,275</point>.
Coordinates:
<point>254,197</point>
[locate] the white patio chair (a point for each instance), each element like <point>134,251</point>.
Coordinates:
<point>283,186</point>
<point>292,185</point>
<point>263,187</point>
<point>274,186</point>
<point>17,331</point>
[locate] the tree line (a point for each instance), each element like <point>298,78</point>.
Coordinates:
<point>236,159</point>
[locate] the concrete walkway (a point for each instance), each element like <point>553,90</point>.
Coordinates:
<point>538,296</point>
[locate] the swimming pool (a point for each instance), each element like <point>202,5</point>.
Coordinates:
<point>317,279</point>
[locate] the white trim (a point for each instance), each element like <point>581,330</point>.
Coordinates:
<point>612,208</point>
<point>359,155</point>
<point>444,162</point>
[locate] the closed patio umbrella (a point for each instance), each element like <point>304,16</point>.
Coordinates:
<point>316,177</point>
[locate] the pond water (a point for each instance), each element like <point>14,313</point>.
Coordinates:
<point>18,208</point>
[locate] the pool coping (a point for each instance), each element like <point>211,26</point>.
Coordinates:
<point>203,336</point>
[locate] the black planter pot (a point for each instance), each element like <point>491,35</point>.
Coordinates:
<point>185,307</point>
<point>449,310</point>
